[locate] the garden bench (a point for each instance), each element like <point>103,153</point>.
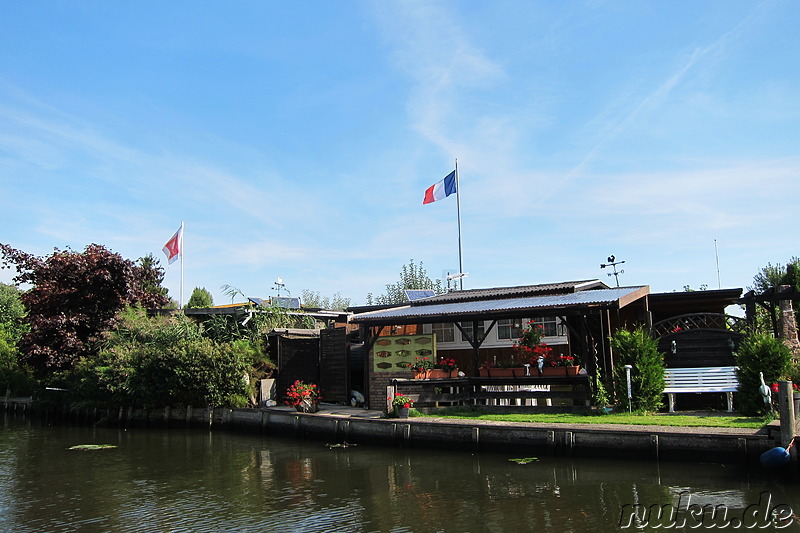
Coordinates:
<point>701,379</point>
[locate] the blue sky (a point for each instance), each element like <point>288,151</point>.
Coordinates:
<point>296,139</point>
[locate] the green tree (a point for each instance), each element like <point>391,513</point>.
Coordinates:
<point>772,276</point>
<point>411,277</point>
<point>14,377</point>
<point>688,288</point>
<point>776,275</point>
<point>12,312</point>
<point>336,302</point>
<point>148,279</point>
<point>759,354</point>
<point>200,299</point>
<point>638,349</point>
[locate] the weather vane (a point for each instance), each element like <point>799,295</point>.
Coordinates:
<point>279,284</point>
<point>612,262</point>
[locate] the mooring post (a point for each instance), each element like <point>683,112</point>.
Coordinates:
<point>390,390</point>
<point>786,413</point>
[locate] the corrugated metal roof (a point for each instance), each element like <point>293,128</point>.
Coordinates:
<point>580,299</point>
<point>509,292</point>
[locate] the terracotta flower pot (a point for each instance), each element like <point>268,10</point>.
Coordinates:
<point>506,372</point>
<point>561,370</point>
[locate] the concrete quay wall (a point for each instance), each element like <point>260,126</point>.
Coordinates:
<point>340,424</point>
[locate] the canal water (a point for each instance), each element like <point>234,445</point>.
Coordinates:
<point>199,481</point>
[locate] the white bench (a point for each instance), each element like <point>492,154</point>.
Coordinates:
<point>701,379</point>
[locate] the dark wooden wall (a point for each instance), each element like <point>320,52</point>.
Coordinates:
<point>695,348</point>
<point>297,359</point>
<point>334,377</point>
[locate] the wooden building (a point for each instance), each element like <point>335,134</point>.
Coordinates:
<point>585,312</point>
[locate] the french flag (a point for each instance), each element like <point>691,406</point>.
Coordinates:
<point>441,190</point>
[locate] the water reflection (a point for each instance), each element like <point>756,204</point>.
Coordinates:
<point>200,481</point>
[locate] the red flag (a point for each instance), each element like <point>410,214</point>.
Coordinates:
<point>174,246</point>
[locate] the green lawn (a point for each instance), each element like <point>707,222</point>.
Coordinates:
<point>661,419</point>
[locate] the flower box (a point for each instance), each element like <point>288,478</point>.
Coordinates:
<point>438,373</point>
<point>420,374</point>
<point>561,370</point>
<point>518,372</point>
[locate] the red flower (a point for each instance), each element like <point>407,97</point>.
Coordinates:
<point>299,392</point>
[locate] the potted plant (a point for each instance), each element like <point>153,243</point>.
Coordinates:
<point>530,338</point>
<point>422,367</point>
<point>444,368</point>
<point>401,404</point>
<point>570,364</point>
<point>560,365</point>
<point>304,397</point>
<point>507,369</point>
<point>530,346</point>
<point>484,369</point>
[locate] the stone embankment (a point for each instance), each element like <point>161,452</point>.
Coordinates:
<point>340,424</point>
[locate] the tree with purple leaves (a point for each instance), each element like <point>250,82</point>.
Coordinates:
<point>74,297</point>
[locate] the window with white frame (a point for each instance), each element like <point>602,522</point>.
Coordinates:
<point>444,332</point>
<point>551,326</point>
<point>467,330</point>
<point>510,328</point>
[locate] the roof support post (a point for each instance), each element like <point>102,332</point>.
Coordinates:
<point>475,341</point>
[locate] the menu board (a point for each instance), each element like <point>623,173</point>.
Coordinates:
<point>400,352</point>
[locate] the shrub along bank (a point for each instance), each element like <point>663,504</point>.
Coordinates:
<point>166,360</point>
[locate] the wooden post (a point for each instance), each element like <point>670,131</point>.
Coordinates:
<point>786,411</point>
<point>390,390</point>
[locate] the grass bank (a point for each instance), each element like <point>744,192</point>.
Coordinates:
<point>710,419</point>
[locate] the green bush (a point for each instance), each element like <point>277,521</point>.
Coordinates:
<point>164,361</point>
<point>759,353</point>
<point>638,349</point>
<point>191,372</point>
<point>599,393</point>
<point>14,377</point>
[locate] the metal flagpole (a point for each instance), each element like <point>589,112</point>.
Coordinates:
<point>180,305</point>
<point>458,204</point>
